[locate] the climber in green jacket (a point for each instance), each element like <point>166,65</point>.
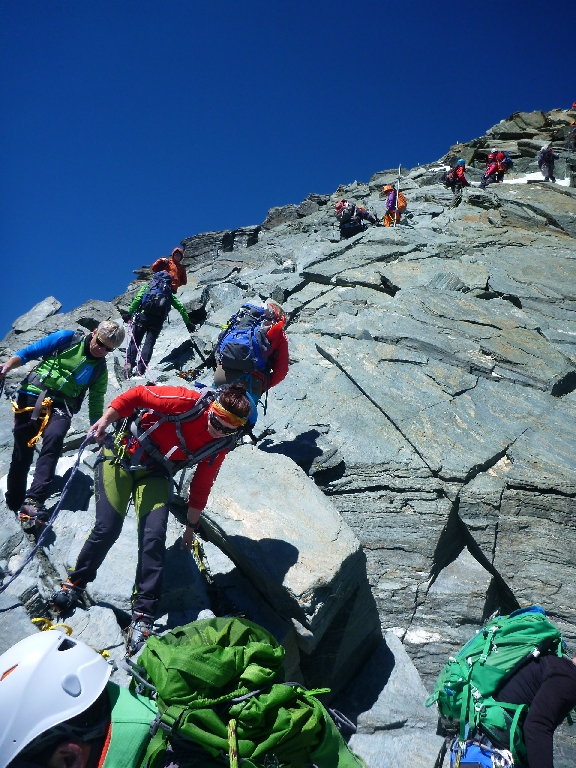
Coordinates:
<point>72,364</point>
<point>150,309</point>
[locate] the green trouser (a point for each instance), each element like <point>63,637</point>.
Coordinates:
<point>114,486</point>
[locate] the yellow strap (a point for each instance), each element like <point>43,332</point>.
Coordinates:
<point>45,411</point>
<point>198,553</point>
<point>232,744</point>
<point>45,624</point>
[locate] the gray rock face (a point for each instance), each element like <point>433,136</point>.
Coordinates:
<point>415,471</point>
<point>314,582</point>
<point>41,311</point>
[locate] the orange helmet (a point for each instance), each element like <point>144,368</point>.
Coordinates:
<point>387,188</point>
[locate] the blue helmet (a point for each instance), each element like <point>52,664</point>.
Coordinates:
<point>461,162</point>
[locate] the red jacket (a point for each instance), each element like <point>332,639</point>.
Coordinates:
<point>172,400</point>
<point>278,353</point>
<point>177,271</point>
<point>459,174</point>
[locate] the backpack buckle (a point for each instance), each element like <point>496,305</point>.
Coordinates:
<point>158,724</point>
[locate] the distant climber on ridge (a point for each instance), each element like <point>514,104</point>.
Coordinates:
<point>571,139</point>
<point>456,180</point>
<point>174,268</point>
<point>393,209</point>
<point>72,364</point>
<point>546,160</point>
<point>497,163</point>
<point>252,350</point>
<point>139,463</point>
<point>351,218</point>
<point>150,309</point>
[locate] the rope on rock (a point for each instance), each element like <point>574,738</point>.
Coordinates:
<point>53,517</point>
<point>152,379</point>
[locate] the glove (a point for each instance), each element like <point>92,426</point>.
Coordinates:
<point>126,316</point>
<point>190,327</point>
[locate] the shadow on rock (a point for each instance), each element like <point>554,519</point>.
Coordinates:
<point>79,492</point>
<point>364,692</point>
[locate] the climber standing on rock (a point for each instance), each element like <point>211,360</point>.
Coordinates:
<point>170,428</point>
<point>174,267</point>
<point>72,364</point>
<point>395,205</point>
<point>546,160</point>
<point>456,180</point>
<point>497,163</point>
<point>150,309</point>
<point>351,218</point>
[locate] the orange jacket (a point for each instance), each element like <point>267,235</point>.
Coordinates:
<point>177,271</point>
<point>173,400</point>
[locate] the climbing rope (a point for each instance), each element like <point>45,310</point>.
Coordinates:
<point>53,517</point>
<point>152,379</point>
<point>45,624</point>
<point>233,743</point>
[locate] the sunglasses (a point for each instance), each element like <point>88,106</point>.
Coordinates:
<point>219,427</point>
<point>101,344</point>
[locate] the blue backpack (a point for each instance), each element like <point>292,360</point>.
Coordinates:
<point>477,754</point>
<point>157,300</point>
<point>243,345</point>
<point>507,162</point>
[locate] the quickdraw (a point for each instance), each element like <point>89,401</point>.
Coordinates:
<point>44,413</point>
<point>200,557</point>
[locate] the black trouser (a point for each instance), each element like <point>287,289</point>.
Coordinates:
<point>456,187</point>
<point>22,456</point>
<point>351,228</point>
<point>113,488</point>
<point>495,178</point>
<point>548,171</point>
<point>140,327</point>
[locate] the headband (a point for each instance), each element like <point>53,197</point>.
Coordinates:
<point>230,419</point>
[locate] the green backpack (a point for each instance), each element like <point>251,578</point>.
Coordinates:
<point>219,685</point>
<point>465,688</point>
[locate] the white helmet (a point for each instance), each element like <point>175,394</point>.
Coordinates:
<point>544,147</point>
<point>45,680</point>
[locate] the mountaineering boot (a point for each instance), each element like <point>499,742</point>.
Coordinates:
<point>140,629</point>
<point>32,514</point>
<point>67,597</point>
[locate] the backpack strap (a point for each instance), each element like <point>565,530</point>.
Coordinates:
<point>148,445</point>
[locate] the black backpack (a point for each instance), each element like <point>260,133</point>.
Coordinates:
<point>157,300</point>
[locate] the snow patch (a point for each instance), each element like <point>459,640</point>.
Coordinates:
<point>421,636</point>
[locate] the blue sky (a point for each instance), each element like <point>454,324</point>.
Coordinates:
<point>127,126</point>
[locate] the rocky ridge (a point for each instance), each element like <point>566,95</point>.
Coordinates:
<point>423,443</point>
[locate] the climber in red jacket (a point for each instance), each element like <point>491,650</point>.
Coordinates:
<point>139,463</point>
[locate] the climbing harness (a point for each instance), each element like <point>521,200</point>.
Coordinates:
<point>41,410</point>
<point>152,379</point>
<point>53,517</point>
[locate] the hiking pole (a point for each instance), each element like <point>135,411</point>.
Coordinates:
<point>397,194</point>
<point>196,349</point>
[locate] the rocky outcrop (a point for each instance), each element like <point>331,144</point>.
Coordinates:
<point>422,445</point>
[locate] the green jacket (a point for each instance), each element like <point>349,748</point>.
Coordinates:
<point>130,727</point>
<point>68,374</point>
<point>176,303</point>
